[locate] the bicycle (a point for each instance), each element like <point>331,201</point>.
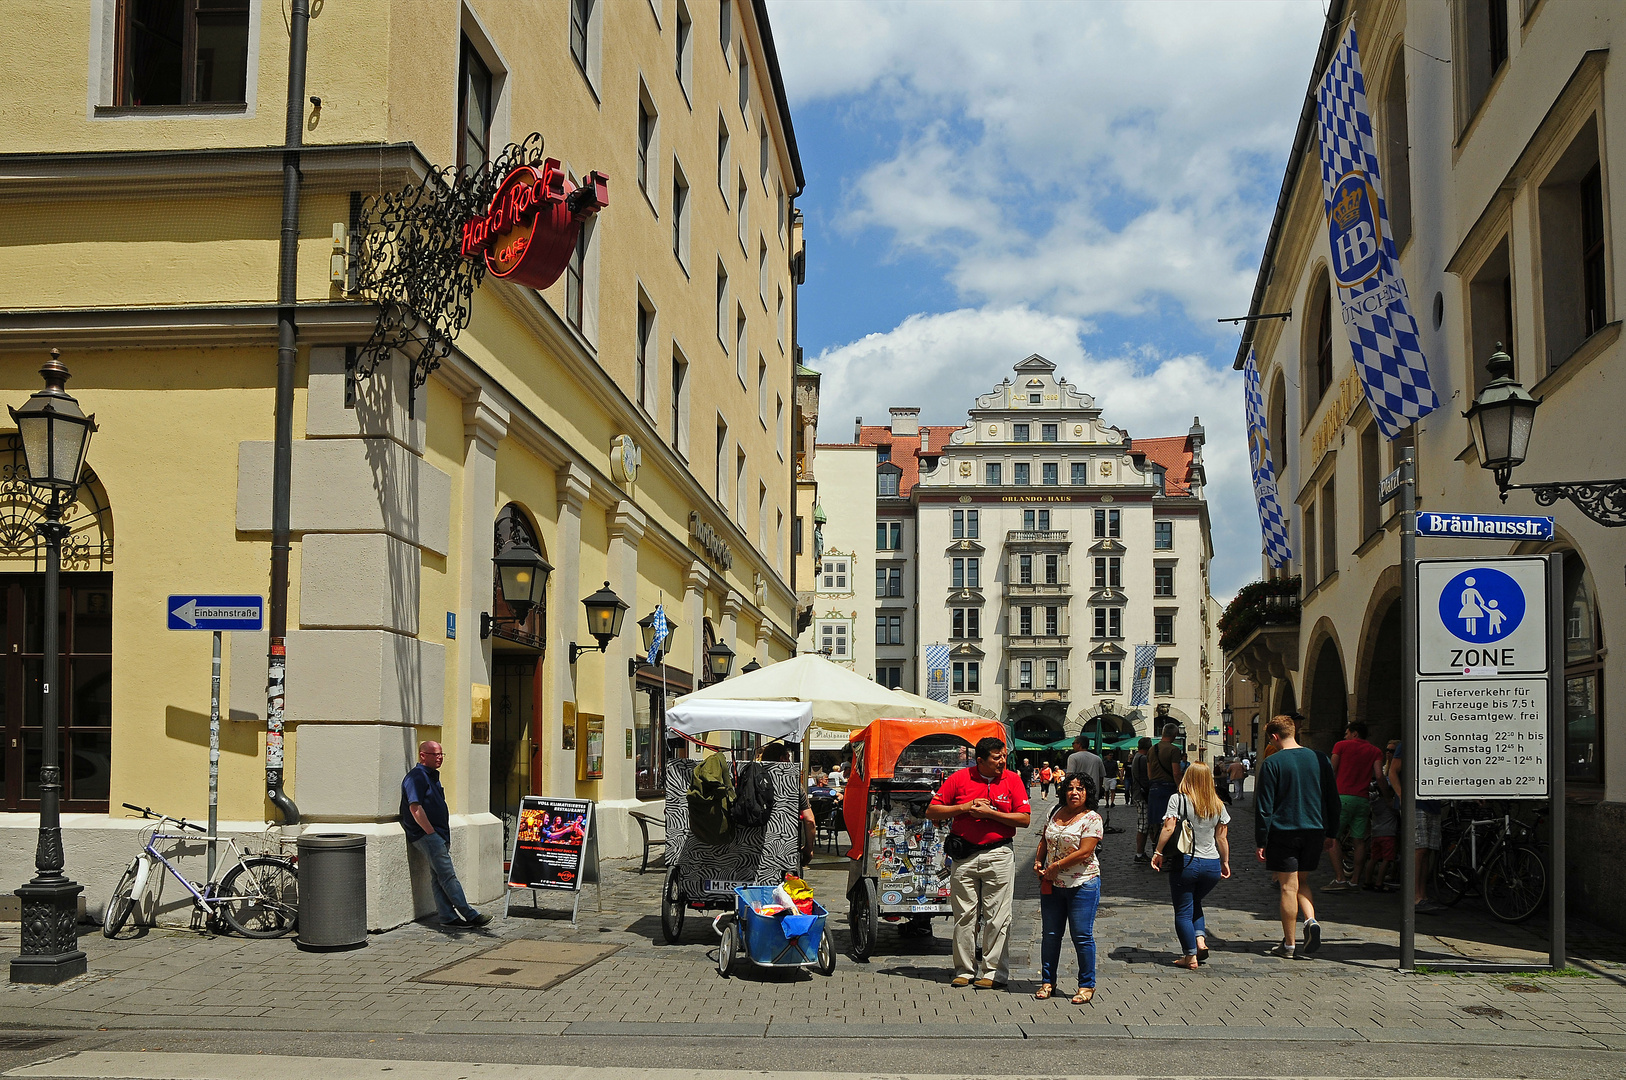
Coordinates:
<point>1511,877</point>
<point>258,897</point>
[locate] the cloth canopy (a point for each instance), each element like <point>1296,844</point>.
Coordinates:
<point>785,720</point>
<point>842,701</point>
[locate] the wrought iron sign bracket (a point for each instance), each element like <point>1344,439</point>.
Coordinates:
<point>1604,501</point>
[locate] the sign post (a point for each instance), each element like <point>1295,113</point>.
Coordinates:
<point>1408,709</point>
<point>192,611</point>
<point>555,847</point>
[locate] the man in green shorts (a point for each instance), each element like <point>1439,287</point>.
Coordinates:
<point>1356,763</point>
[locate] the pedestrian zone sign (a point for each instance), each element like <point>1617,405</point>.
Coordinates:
<point>1482,616</point>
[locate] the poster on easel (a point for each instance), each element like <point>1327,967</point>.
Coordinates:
<point>552,844</point>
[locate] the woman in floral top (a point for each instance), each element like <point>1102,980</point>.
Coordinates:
<point>1070,883</point>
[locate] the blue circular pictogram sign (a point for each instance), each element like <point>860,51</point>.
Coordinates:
<point>1482,605</point>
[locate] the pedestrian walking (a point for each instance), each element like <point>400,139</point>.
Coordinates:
<point>1069,884</point>
<point>1238,774</point>
<point>985,803</point>
<point>427,823</point>
<point>1385,827</point>
<point>1044,780</point>
<point>1162,773</point>
<point>1355,765</point>
<point>1192,877</point>
<point>1425,834</point>
<point>1295,799</point>
<point>1083,760</point>
<point>1138,784</point>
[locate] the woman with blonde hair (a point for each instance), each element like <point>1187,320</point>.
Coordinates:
<point>1192,877</point>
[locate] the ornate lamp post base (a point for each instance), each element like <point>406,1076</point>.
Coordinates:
<point>50,931</point>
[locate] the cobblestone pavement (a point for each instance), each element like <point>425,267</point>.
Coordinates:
<point>1349,991</point>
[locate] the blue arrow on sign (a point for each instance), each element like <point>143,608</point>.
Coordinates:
<point>191,611</point>
<point>1484,526</point>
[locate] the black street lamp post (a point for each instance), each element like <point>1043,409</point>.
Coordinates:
<point>55,435</point>
<point>1501,419</point>
<point>605,610</point>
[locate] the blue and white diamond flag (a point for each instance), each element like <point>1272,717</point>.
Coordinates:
<point>1278,549</point>
<point>1365,264</point>
<point>937,668</point>
<point>1140,692</point>
<point>658,647</point>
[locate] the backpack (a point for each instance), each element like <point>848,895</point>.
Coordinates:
<point>753,795</point>
<point>710,796</point>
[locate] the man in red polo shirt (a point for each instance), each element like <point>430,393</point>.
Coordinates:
<point>1356,763</point>
<point>986,804</point>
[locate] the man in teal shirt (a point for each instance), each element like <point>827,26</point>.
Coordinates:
<point>1295,817</point>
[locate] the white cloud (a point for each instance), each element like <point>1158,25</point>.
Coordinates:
<point>941,362</point>
<point>1085,158</point>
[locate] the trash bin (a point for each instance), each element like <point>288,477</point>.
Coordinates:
<point>332,891</point>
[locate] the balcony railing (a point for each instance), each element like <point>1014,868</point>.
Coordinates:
<point>1036,641</point>
<point>1036,536</point>
<point>1038,588</point>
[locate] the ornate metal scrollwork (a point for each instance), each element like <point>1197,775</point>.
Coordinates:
<point>1604,501</point>
<point>412,262</point>
<point>86,541</point>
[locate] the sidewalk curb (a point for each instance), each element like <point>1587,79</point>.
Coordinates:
<point>778,1030</point>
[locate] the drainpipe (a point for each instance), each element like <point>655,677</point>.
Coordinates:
<point>287,356</point>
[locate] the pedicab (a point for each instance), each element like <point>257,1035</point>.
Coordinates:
<point>753,859</point>
<point>899,871</point>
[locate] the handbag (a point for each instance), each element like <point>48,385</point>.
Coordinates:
<point>1185,841</point>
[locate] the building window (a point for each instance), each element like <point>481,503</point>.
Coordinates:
<point>646,142</point>
<point>991,473</point>
<point>1163,628</point>
<point>957,532</point>
<point>684,37</point>
<point>1024,676</point>
<point>957,574</point>
<point>680,403</point>
<point>1371,473</point>
<point>739,345</point>
<point>1163,680</point>
<point>745,83</point>
<point>1573,248</point>
<point>796,535</point>
<point>1047,432</point>
<point>722,307</point>
<point>889,629</point>
<point>722,158</point>
<point>957,623</point>
<point>1583,677</point>
<point>1108,572</point>
<point>1052,569</point>
<point>888,581</point>
<point>1050,473</point>
<point>575,281</point>
<point>1163,535</point>
<point>833,639</point>
<point>890,677</point>
<point>1052,621</point>
<point>1080,473</point>
<point>581,25</point>
<point>1329,529</point>
<point>1310,537</point>
<point>1019,433</point>
<point>1396,142</point>
<point>889,535</point>
<point>725,26</point>
<point>1108,676</point>
<point>742,194</point>
<point>1490,312</point>
<point>640,358</point>
<point>1019,474</point>
<point>184,52</point>
<point>972,530</point>
<point>967,677</point>
<point>474,109</point>
<point>1044,521</point>
<point>762,271</point>
<point>739,488</point>
<point>973,573</point>
<point>886,481</point>
<point>883,453</point>
<point>1052,673</point>
<point>762,390</point>
<point>1163,579</point>
<point>1481,32</point>
<point>1024,569</point>
<point>1035,398</point>
<point>833,575</point>
<point>1108,525</point>
<point>779,425</point>
<point>680,214</point>
<point>1109,622</point>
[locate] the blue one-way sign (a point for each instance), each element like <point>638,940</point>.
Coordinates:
<point>192,611</point>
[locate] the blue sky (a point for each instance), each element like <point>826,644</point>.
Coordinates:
<point>1089,181</point>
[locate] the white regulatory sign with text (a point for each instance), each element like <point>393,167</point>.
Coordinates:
<point>1482,738</point>
<point>1482,616</point>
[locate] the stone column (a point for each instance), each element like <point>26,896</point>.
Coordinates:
<point>485,424</point>
<point>695,584</point>
<point>564,616</point>
<point>625,524</point>
<point>728,633</point>
<point>764,635</point>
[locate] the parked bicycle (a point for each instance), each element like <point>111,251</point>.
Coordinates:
<point>258,894</point>
<point>1498,857</point>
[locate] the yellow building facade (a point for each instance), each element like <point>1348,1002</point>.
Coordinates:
<point>632,421</point>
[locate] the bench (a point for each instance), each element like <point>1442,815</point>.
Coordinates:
<point>644,822</point>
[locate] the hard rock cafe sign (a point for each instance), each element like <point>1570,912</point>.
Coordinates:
<point>529,231</point>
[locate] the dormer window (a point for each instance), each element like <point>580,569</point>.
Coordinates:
<point>886,480</point>
<point>883,453</point>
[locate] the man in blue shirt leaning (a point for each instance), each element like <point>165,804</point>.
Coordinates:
<point>427,823</point>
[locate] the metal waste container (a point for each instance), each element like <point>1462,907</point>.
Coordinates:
<point>332,890</point>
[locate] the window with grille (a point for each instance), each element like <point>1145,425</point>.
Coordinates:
<point>1019,474</point>
<point>1163,535</point>
<point>1024,569</point>
<point>1025,675</point>
<point>1052,674</point>
<point>1047,432</point>
<point>1108,524</point>
<point>1081,473</point>
<point>1052,569</point>
<point>1108,676</point>
<point>1052,621</point>
<point>1050,473</point>
<point>186,52</point>
<point>1024,621</point>
<point>833,639</point>
<point>973,573</point>
<point>889,535</point>
<point>1163,628</point>
<point>991,473</point>
<point>834,575</point>
<point>1163,580</point>
<point>1108,622</point>
<point>1019,433</point>
<point>1163,679</point>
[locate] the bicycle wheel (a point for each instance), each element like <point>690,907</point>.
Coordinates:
<point>672,909</point>
<point>863,919</point>
<point>260,897</point>
<point>1515,884</point>
<point>1453,874</point>
<point>120,903</point>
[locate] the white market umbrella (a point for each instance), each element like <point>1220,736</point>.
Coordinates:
<point>841,699</point>
<point>785,720</point>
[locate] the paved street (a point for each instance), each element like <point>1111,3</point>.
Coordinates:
<point>1350,994</point>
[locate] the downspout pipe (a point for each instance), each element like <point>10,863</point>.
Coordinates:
<point>287,357</point>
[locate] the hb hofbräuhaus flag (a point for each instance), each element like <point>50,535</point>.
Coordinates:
<point>1365,264</point>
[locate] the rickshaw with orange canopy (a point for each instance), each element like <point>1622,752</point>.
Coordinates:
<point>899,871</point>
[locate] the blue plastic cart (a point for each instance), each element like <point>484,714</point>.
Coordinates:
<point>787,939</point>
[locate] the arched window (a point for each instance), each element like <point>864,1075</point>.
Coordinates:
<point>1276,419</point>
<point>1396,136</point>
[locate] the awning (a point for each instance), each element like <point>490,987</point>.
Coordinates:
<point>772,719</point>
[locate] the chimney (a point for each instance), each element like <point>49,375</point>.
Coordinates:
<point>858,429</point>
<point>905,421</point>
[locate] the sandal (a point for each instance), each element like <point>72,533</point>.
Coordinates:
<point>1083,995</point>
<point>1045,991</point>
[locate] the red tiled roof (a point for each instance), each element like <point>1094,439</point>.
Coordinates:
<point>1174,454</point>
<point>906,448</point>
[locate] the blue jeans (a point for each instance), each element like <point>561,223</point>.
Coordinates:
<point>448,890</point>
<point>1195,881</point>
<point>1074,909</point>
<point>1157,802</point>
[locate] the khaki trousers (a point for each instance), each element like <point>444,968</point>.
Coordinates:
<point>983,884</point>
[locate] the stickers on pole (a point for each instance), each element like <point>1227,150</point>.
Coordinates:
<point>1483,678</point>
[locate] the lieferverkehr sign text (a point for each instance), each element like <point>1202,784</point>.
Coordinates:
<point>1482,738</point>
